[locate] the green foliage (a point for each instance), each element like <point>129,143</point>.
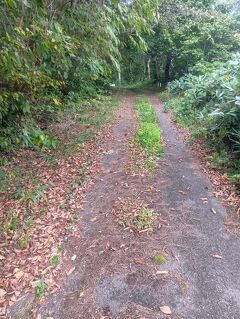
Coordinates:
<point>49,52</point>
<point>218,160</point>
<point>54,261</point>
<point>14,224</point>
<point>24,241</point>
<point>41,288</point>
<point>33,61</point>
<point>235,179</point>
<point>212,101</point>
<point>144,219</point>
<point>164,96</point>
<point>160,259</point>
<point>149,132</point>
<point>189,36</point>
<point>209,105</point>
<point>11,222</point>
<point>32,196</point>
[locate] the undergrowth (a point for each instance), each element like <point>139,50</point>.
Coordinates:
<point>72,127</point>
<point>201,123</point>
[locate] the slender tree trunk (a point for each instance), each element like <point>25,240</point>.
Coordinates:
<point>157,73</point>
<point>119,77</point>
<point>144,69</point>
<point>149,69</point>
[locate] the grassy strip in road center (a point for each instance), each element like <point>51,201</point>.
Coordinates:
<point>149,132</point>
<point>147,145</point>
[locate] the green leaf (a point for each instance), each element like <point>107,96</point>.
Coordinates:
<point>11,3</point>
<point>40,3</point>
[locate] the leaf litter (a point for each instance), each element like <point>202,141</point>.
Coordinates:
<point>25,252</point>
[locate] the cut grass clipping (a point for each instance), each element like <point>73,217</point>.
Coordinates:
<point>149,132</point>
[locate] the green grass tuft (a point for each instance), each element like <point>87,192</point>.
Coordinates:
<point>160,259</point>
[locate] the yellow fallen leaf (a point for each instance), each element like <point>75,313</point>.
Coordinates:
<point>166,310</point>
<point>19,274</point>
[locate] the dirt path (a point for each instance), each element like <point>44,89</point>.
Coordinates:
<point>213,284</point>
<point>111,272</point>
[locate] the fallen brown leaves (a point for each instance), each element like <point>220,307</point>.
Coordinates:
<point>22,265</point>
<point>223,188</point>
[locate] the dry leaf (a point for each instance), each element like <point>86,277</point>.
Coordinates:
<point>217,256</point>
<point>19,274</point>
<point>2,293</point>
<point>70,271</point>
<point>183,193</point>
<point>162,272</point>
<point>81,294</point>
<point>166,310</point>
<point>2,257</point>
<point>139,261</point>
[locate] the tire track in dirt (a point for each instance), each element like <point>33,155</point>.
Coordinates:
<point>213,283</point>
<point>104,280</point>
<point>107,282</point>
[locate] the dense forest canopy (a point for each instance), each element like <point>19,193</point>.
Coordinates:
<point>53,51</point>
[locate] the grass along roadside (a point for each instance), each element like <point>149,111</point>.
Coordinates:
<point>36,213</point>
<point>147,145</point>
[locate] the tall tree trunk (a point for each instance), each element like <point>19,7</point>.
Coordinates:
<point>149,69</point>
<point>157,73</point>
<point>119,76</point>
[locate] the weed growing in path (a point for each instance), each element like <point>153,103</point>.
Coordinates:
<point>41,288</point>
<point>160,259</point>
<point>135,215</point>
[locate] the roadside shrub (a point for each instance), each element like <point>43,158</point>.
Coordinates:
<point>213,101</point>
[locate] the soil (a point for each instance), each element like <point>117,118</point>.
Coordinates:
<point>110,272</point>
